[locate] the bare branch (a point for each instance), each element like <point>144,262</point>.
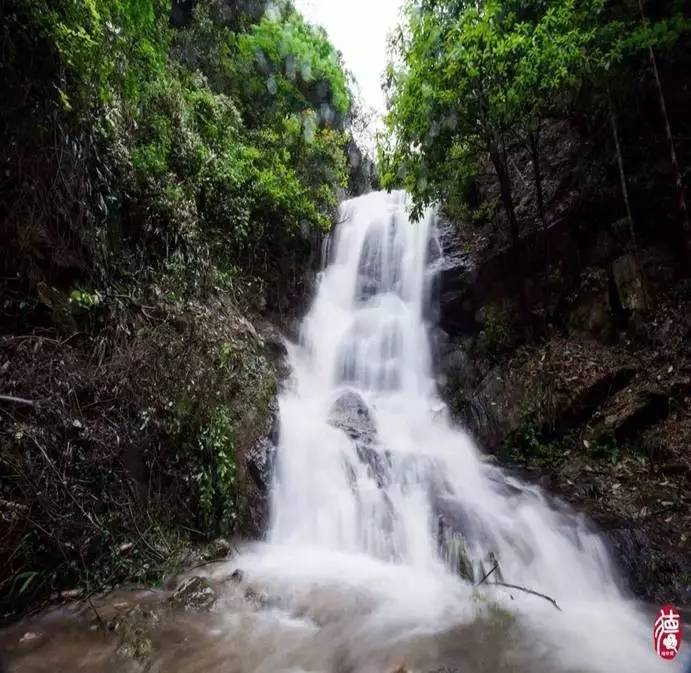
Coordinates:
<point>17,400</point>
<point>525,590</point>
<point>484,579</point>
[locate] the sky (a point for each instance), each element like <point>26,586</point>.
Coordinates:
<point>358,29</point>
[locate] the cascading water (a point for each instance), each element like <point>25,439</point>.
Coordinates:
<point>378,501</point>
<point>385,520</point>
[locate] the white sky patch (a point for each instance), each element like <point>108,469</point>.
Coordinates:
<point>358,29</point>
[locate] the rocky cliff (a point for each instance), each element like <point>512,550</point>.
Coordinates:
<point>588,394</point>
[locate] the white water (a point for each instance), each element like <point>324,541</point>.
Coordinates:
<point>355,557</point>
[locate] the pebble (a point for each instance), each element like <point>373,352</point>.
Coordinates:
<point>28,637</point>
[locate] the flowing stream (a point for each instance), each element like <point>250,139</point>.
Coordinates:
<point>385,516</point>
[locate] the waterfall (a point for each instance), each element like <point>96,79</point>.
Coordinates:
<point>384,515</point>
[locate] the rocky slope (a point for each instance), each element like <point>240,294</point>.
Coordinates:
<point>592,396</point>
<point>131,433</point>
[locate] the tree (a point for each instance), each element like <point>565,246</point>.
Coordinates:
<point>449,103</point>
<point>684,221</point>
<point>472,80</point>
<point>617,41</point>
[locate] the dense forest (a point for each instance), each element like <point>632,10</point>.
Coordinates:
<point>169,171</point>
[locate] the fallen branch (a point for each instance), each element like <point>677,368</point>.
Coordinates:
<point>17,400</point>
<point>527,591</point>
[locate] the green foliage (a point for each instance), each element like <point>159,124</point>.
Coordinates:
<point>209,146</point>
<point>604,446</point>
<point>284,66</point>
<point>498,335</point>
<point>84,300</point>
<point>469,80</point>
<point>217,476</point>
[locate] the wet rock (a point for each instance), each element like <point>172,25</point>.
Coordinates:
<point>258,599</point>
<point>135,630</point>
<point>654,573</point>
<point>458,272</point>
<point>194,594</point>
<point>260,463</point>
<point>351,414</point>
<point>29,637</point>
<point>272,422</point>
<point>217,550</point>
<point>259,460</point>
<point>629,283</point>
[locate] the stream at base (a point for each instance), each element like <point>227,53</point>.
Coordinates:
<point>385,518</point>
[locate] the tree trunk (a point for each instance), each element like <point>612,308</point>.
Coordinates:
<point>685,224</point>
<point>506,191</point>
<point>620,164</point>
<point>534,144</point>
<point>499,161</point>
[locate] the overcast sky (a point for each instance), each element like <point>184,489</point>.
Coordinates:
<point>358,29</point>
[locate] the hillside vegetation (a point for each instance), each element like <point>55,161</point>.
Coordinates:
<point>166,171</point>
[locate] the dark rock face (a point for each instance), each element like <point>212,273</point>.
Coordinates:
<point>457,271</point>
<point>260,460</point>
<point>653,573</point>
<point>494,411</point>
<point>260,463</point>
<point>458,372</point>
<point>510,395</point>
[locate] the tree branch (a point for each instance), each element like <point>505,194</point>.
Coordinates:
<point>527,591</point>
<point>17,400</point>
<point>484,579</point>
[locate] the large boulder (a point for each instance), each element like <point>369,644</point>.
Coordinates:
<point>632,410</point>
<point>590,311</point>
<point>351,414</point>
<point>554,388</point>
